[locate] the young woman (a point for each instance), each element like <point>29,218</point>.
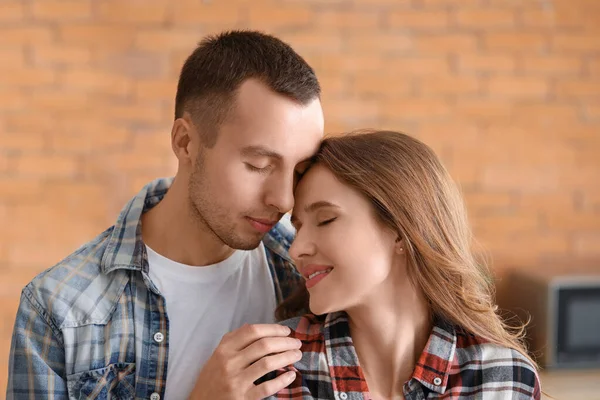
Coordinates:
<point>400,307</point>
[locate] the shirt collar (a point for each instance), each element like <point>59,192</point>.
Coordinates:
<point>433,367</point>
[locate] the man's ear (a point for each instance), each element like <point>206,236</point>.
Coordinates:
<point>182,138</point>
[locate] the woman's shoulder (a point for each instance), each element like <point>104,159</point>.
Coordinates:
<point>497,362</point>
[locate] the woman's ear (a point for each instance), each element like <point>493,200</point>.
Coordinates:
<point>400,247</point>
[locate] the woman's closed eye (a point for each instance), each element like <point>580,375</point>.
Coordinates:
<point>326,221</point>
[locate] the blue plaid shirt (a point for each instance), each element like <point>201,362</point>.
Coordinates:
<point>85,328</point>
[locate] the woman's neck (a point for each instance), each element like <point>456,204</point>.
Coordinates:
<point>389,333</point>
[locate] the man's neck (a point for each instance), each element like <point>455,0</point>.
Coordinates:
<point>389,334</point>
<point>172,230</point>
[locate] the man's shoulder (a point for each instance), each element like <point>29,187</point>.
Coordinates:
<point>75,291</point>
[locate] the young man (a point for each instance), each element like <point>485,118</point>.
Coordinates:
<point>176,300</point>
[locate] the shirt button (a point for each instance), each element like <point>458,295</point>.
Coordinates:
<point>158,337</point>
<point>437,381</point>
<point>155,396</point>
<point>343,396</point>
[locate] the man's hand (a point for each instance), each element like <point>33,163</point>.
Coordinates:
<point>242,357</point>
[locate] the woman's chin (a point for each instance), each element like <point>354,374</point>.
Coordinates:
<point>322,308</point>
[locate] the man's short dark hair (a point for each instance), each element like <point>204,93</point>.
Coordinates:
<point>215,70</point>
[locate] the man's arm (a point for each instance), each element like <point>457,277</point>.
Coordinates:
<point>37,359</point>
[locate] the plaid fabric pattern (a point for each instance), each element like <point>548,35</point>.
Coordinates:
<point>453,365</point>
<point>86,327</point>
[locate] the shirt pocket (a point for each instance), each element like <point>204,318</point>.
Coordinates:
<point>113,382</point>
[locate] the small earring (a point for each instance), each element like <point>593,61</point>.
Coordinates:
<point>401,249</point>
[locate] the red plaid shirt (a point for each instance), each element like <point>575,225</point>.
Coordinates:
<point>453,365</point>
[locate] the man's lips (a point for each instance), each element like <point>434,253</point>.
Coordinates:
<point>261,225</point>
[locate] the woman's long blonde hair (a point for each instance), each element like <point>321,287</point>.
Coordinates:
<point>413,194</point>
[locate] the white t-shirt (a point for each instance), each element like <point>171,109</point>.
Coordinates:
<point>204,303</point>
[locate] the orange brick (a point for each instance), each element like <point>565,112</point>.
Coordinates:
<point>46,166</point>
<point>160,90</point>
<point>484,109</point>
<point>591,200</point>
<point>573,221</point>
<point>153,39</point>
<point>334,84</point>
<point>146,113</point>
<point>59,100</point>
<point>448,133</point>
<point>347,63</point>
<point>97,35</point>
<point>485,203</point>
<point>405,67</point>
<point>552,65</point>
<point>280,16</point>
<point>578,89</point>
<point>193,12</point>
<point>132,63</point>
<point>133,12</point>
<point>507,224</point>
<point>12,57</point>
<point>449,85</point>
<point>381,85</point>
<point>486,18</point>
<point>22,122</point>
<point>28,77</point>
<point>310,42</point>
<point>593,67</point>
<point>96,81</point>
<point>446,3</point>
<point>446,43</point>
<point>11,11</point>
<point>522,178</point>
<point>576,42</point>
<point>418,19</point>
<point>21,141</point>
<point>20,190</point>
<point>379,42</point>
<point>15,36</point>
<point>5,165</point>
<point>546,119</point>
<point>154,142</point>
<point>516,42</point>
<point>517,87</point>
<point>176,60</point>
<point>61,10</point>
<point>555,17</point>
<point>416,108</point>
<point>486,63</point>
<point>347,19</point>
<point>587,245</point>
<point>51,55</point>
<point>592,112</point>
<point>352,109</point>
<point>88,138</point>
<point>546,203</point>
<point>526,248</point>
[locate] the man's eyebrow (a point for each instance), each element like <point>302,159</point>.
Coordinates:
<point>311,208</point>
<point>260,151</point>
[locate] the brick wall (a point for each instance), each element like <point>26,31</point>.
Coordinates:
<point>507,91</point>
